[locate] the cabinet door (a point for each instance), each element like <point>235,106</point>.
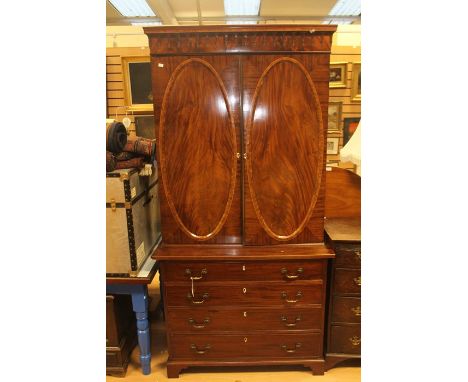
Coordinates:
<point>196,103</point>
<point>284,112</point>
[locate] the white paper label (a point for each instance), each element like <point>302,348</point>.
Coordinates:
<point>160,65</point>
<point>133,192</point>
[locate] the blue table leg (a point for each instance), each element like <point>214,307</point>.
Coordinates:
<point>140,307</point>
<point>139,295</point>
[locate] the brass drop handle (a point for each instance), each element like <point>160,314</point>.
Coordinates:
<point>357,280</point>
<point>284,272</point>
<point>203,272</point>
<point>284,296</point>
<point>196,325</point>
<point>356,310</point>
<point>296,346</point>
<point>200,351</point>
<point>191,298</point>
<point>286,323</point>
<point>355,341</point>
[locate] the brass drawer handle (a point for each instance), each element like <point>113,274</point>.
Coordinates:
<point>358,254</point>
<point>284,296</point>
<point>355,341</point>
<point>203,272</point>
<point>296,346</point>
<point>196,325</point>
<point>191,298</point>
<point>357,280</point>
<point>286,323</point>
<point>284,272</point>
<point>200,351</point>
<point>356,310</point>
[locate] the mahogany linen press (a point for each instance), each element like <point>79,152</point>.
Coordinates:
<point>240,118</point>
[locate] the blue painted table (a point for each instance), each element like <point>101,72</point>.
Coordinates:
<point>137,287</point>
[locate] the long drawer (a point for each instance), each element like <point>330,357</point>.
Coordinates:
<point>246,294</point>
<point>346,309</point>
<point>345,339</point>
<point>347,281</point>
<point>205,320</point>
<point>244,271</point>
<point>214,346</point>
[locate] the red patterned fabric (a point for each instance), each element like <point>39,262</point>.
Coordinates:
<point>131,163</point>
<point>142,146</point>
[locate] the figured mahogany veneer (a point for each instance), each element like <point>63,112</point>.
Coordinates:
<point>240,118</point>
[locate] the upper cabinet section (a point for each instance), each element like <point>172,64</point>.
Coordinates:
<point>240,115</point>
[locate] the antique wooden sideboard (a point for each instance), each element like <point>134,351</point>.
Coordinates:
<point>241,115</point>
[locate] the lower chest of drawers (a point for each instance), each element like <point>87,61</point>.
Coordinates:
<point>255,310</point>
<point>344,317</point>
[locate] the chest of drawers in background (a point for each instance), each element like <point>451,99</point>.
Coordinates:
<point>258,312</point>
<point>344,305</point>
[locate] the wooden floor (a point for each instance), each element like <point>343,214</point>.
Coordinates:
<point>239,374</point>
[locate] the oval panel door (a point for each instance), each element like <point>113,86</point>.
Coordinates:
<point>285,148</point>
<point>197,143</point>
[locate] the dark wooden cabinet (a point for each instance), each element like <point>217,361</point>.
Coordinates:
<point>343,234</point>
<point>240,119</point>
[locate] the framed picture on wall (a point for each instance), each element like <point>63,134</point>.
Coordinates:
<point>349,127</point>
<point>137,84</point>
<point>144,126</point>
<point>334,116</point>
<point>338,74</point>
<point>332,145</point>
<point>356,82</point>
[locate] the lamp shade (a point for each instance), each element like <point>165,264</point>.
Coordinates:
<point>351,152</point>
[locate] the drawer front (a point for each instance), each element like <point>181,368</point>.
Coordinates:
<point>347,281</point>
<point>346,309</point>
<point>244,271</point>
<point>244,346</point>
<point>348,256</point>
<point>345,339</point>
<point>247,294</point>
<point>113,358</point>
<point>209,320</point>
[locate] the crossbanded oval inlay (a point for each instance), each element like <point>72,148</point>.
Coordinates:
<point>197,143</point>
<point>285,148</point>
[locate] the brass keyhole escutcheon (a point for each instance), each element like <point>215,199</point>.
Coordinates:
<point>243,267</point>
<point>244,290</point>
<point>245,339</point>
<point>245,314</point>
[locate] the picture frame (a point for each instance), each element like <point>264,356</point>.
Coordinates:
<point>334,116</point>
<point>137,84</point>
<point>332,145</point>
<point>349,127</point>
<point>356,82</point>
<point>338,74</point>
